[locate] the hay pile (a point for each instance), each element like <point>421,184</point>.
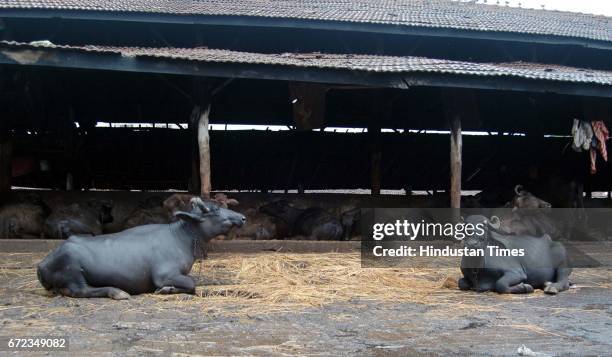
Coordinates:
<point>283,282</point>
<point>239,284</point>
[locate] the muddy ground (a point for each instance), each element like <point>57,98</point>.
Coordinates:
<point>577,322</point>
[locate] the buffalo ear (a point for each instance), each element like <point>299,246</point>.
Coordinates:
<point>188,216</point>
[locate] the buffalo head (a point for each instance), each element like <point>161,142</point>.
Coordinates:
<point>478,240</point>
<point>103,208</point>
<point>276,208</point>
<point>525,200</point>
<point>209,219</point>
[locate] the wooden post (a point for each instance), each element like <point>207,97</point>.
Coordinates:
<point>200,183</point>
<point>194,180</point>
<point>460,105</point>
<point>204,151</point>
<point>199,120</point>
<point>375,156</point>
<point>6,155</point>
<point>456,144</point>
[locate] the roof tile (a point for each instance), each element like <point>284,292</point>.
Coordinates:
<point>363,63</point>
<point>416,13</point>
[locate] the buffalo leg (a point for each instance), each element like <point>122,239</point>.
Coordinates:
<point>562,282</point>
<point>464,284</point>
<point>512,283</point>
<point>562,273</point>
<point>178,284</point>
<point>86,291</point>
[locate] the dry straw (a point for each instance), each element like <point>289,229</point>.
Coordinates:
<point>281,282</point>
<point>251,284</point>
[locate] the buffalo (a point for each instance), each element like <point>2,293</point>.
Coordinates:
<point>528,214</point>
<point>542,265</point>
<point>351,223</point>
<point>313,223</point>
<point>148,211</point>
<point>23,216</point>
<point>79,218</point>
<point>150,258</point>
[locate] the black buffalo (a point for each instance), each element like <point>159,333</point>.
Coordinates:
<point>79,218</point>
<point>151,258</point>
<point>544,264</point>
<point>351,223</point>
<point>312,223</point>
<point>23,216</point>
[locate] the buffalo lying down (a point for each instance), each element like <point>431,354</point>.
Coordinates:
<point>313,223</point>
<point>150,258</point>
<point>544,264</point>
<point>79,219</point>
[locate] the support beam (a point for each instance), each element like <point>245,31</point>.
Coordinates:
<point>460,106</point>
<point>200,183</point>
<point>204,150</point>
<point>375,155</point>
<point>6,155</point>
<point>194,180</point>
<point>456,144</point>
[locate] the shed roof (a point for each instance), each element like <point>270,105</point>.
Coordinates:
<point>434,16</point>
<point>350,62</point>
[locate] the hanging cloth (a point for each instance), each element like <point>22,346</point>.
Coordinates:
<point>582,131</point>
<point>600,136</point>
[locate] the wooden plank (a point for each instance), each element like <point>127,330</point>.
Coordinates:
<point>225,246</point>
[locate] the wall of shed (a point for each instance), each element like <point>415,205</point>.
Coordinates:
<point>258,160</point>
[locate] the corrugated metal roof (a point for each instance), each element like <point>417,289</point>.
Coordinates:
<point>413,13</point>
<point>361,63</point>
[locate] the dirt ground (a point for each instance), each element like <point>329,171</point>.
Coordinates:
<point>312,306</point>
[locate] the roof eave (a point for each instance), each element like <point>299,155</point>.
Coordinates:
<point>259,21</point>
<point>72,59</point>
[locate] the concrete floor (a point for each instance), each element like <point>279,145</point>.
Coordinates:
<point>577,322</point>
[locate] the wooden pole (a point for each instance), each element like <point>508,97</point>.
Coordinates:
<point>456,144</point>
<point>204,150</point>
<point>194,180</point>
<point>461,107</point>
<point>375,156</point>
<point>6,155</point>
<point>200,163</point>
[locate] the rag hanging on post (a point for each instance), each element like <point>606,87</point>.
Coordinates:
<point>600,136</point>
<point>591,136</point>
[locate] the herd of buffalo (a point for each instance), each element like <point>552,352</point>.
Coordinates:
<point>26,215</point>
<point>155,247</point>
